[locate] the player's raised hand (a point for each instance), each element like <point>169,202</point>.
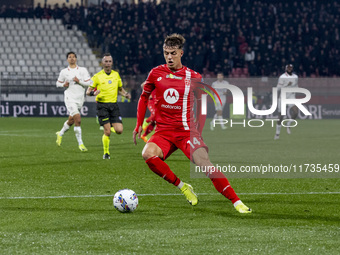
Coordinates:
<point>135,133</point>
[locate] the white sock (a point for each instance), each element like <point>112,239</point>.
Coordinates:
<point>65,128</point>
<point>237,203</point>
<point>289,122</point>
<point>222,124</point>
<point>278,129</point>
<point>77,131</point>
<point>180,185</point>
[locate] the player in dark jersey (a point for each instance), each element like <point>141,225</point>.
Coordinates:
<point>177,126</point>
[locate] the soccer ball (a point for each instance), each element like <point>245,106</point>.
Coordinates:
<point>125,200</point>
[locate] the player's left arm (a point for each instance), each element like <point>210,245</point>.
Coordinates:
<point>124,93</point>
<point>84,79</point>
<point>121,90</point>
<point>92,90</point>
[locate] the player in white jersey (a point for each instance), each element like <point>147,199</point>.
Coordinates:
<point>221,88</point>
<point>74,78</point>
<point>287,80</point>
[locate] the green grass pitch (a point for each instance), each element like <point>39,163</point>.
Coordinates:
<point>58,200</point>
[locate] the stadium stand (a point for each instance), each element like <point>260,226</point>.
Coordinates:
<point>240,38</point>
<point>45,40</point>
<point>218,33</point>
<point>39,47</point>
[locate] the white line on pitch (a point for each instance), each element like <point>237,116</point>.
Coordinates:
<point>170,194</point>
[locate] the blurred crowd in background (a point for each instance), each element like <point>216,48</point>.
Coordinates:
<point>238,38</point>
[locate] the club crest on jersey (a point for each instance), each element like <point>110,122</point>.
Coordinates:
<point>172,76</point>
<point>171,96</point>
<point>110,81</point>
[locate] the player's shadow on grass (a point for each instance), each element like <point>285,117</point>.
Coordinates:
<point>286,210</point>
<point>258,214</point>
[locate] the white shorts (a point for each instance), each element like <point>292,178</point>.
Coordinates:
<point>288,106</point>
<point>220,107</point>
<point>73,107</point>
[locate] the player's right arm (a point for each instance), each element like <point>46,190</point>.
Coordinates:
<point>148,87</point>
<point>62,82</point>
<point>92,89</point>
<point>279,86</point>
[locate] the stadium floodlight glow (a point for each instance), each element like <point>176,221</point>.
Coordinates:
<point>238,101</point>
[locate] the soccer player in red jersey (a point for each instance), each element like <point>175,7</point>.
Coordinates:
<point>177,127</point>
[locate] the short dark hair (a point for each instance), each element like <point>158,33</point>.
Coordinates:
<point>289,65</point>
<point>174,40</point>
<point>107,55</point>
<point>69,53</point>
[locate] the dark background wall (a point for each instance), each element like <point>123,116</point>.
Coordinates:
<point>16,2</point>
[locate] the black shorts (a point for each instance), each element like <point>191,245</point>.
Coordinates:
<point>108,113</point>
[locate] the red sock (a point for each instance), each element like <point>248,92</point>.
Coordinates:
<point>149,128</point>
<point>162,169</point>
<point>222,185</point>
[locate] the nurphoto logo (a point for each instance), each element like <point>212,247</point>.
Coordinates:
<point>238,105</point>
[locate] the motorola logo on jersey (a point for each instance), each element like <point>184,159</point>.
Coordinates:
<point>171,96</point>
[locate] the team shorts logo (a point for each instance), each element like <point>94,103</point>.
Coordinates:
<point>171,96</point>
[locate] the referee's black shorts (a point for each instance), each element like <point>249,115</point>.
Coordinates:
<point>108,113</point>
